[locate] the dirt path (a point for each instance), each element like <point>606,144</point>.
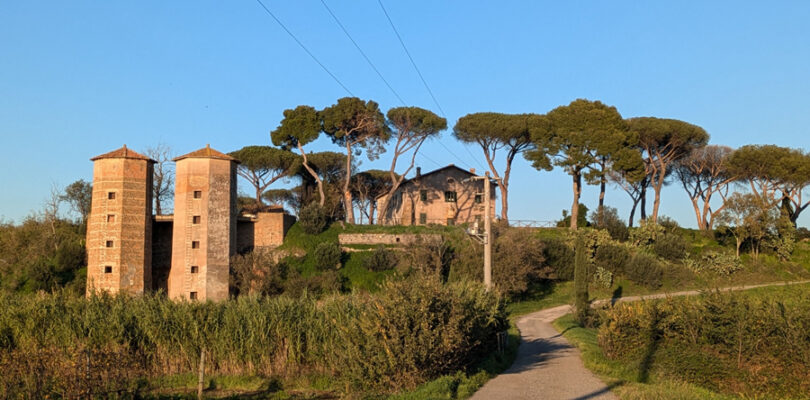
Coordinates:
<point>548,367</point>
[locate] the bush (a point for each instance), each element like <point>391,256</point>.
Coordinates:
<point>559,257</point>
<point>670,246</point>
<point>380,259</point>
<point>645,269</point>
<point>646,233</point>
<point>327,255</point>
<point>714,262</point>
<point>612,258</point>
<point>326,282</point>
<point>402,336</point>
<point>519,255</point>
<point>258,272</point>
<point>313,218</point>
<point>607,218</point>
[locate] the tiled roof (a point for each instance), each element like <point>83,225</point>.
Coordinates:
<point>123,152</point>
<point>207,152</point>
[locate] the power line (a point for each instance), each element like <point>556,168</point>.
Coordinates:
<point>410,58</point>
<point>270,13</point>
<point>362,52</point>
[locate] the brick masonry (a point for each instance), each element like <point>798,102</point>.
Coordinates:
<point>385,238</point>
<point>130,250</point>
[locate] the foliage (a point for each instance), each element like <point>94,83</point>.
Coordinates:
<point>409,333</point>
<point>603,277</point>
<point>607,218</point>
<point>734,343</point>
<point>612,258</point>
<point>583,138</point>
<point>582,306</point>
<point>312,219</point>
<point>429,257</point>
<point>258,272</point>
<point>518,261</point>
<point>748,219</point>
<point>327,255</point>
<point>720,263</point>
<point>79,195</point>
<point>264,165</point>
<point>646,233</point>
<point>703,173</point>
<point>670,246</point>
<point>381,259</point>
<point>582,217</point>
<point>497,131</point>
<point>644,269</point>
<point>559,258</point>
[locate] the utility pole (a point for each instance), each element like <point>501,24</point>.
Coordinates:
<point>488,235</point>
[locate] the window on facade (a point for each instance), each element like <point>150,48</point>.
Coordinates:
<point>450,196</point>
<point>422,219</point>
<point>108,269</point>
<point>195,269</point>
<point>451,221</point>
<point>195,244</point>
<point>192,295</point>
<point>479,198</point>
<point>198,194</point>
<point>423,195</point>
<point>196,219</point>
<point>110,218</point>
<point>109,243</point>
<point>110,195</point>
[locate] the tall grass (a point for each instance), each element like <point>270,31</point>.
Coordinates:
<point>400,337</point>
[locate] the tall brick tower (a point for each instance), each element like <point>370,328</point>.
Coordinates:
<point>204,235</point>
<point>119,229</point>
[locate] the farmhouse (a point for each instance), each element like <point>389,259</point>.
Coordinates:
<point>445,196</point>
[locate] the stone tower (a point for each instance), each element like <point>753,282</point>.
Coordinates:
<point>204,234</point>
<point>119,228</point>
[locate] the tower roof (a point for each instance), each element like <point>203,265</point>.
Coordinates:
<point>123,152</point>
<point>207,152</point>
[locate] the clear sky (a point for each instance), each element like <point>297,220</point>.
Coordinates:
<point>81,78</point>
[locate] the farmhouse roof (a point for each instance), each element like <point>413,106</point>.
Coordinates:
<point>435,171</point>
<point>207,152</point>
<point>123,152</point>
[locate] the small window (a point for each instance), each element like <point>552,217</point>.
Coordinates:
<point>109,243</point>
<point>479,198</point>
<point>110,218</point>
<point>423,195</point>
<point>198,194</point>
<point>195,219</point>
<point>195,269</point>
<point>451,221</point>
<point>110,195</point>
<point>422,219</point>
<point>192,295</point>
<point>450,196</point>
<point>195,244</point>
<point>108,269</point>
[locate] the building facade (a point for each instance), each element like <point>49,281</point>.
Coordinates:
<point>446,196</point>
<point>187,254</point>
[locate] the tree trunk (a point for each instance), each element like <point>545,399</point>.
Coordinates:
<point>643,201</point>
<point>602,187</point>
<point>739,243</point>
<point>657,202</point>
<point>157,205</point>
<point>504,201</point>
<point>632,214</point>
<point>313,174</point>
<point>371,209</point>
<point>259,197</point>
<point>577,177</point>
<point>700,219</point>
<point>347,194</point>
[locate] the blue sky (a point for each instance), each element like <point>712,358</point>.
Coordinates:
<point>81,78</point>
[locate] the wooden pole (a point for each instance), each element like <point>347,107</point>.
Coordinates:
<point>201,375</point>
<point>488,234</point>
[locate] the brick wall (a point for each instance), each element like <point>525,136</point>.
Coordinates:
<point>385,238</point>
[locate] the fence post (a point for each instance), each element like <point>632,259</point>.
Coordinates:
<point>201,375</point>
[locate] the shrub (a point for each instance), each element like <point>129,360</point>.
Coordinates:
<point>258,272</point>
<point>380,259</point>
<point>327,255</point>
<point>582,217</point>
<point>323,283</point>
<point>428,256</point>
<point>670,246</point>
<point>559,257</point>
<point>612,257</point>
<point>646,233</point>
<point>645,269</point>
<point>313,218</point>
<point>519,255</point>
<point>607,218</point>
<point>714,262</point>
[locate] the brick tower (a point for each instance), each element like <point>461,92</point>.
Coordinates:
<point>204,234</point>
<point>119,228</point>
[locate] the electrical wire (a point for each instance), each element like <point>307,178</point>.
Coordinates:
<point>270,13</point>
<point>357,46</point>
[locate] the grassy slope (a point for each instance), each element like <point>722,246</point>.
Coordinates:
<point>624,378</point>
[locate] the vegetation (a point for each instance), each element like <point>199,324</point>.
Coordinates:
<point>410,333</point>
<point>750,344</point>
